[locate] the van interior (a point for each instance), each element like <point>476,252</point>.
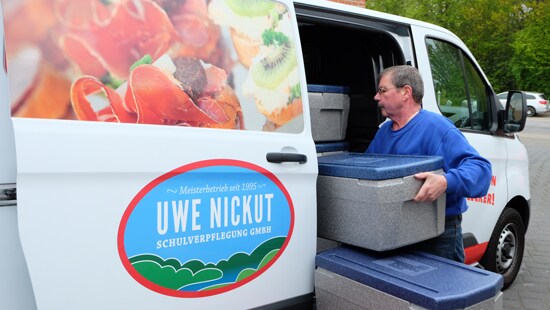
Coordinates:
<point>350,53</point>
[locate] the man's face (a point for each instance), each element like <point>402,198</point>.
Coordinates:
<point>390,98</point>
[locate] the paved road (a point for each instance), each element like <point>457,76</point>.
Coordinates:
<point>531,290</point>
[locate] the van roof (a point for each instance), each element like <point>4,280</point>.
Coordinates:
<point>374,14</point>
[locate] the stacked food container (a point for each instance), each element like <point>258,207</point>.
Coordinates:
<point>354,278</point>
<point>329,111</point>
<point>367,200</point>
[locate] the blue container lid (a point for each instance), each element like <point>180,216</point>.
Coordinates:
<point>417,277</point>
<point>331,146</point>
<point>376,166</point>
<point>316,88</point>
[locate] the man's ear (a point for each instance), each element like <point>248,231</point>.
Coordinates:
<point>408,90</point>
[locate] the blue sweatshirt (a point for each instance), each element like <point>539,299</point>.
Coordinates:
<point>467,173</point>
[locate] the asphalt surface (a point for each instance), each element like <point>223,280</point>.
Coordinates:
<point>531,289</point>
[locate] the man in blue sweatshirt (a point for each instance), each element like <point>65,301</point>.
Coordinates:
<point>414,131</point>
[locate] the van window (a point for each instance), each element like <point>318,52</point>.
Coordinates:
<point>220,64</point>
<point>460,91</point>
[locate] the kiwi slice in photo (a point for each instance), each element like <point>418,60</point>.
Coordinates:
<point>275,67</point>
<point>251,8</point>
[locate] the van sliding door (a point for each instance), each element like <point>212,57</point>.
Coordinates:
<point>158,163</point>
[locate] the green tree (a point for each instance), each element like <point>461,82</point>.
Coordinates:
<point>530,63</point>
<point>487,27</point>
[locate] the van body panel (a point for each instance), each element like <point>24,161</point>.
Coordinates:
<point>79,225</point>
<point>488,208</point>
<point>115,206</point>
<point>518,169</point>
<point>7,149</point>
<point>16,291</point>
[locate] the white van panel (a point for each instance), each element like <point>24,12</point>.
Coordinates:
<point>77,179</point>
<point>16,291</point>
<point>7,155</point>
<point>481,217</point>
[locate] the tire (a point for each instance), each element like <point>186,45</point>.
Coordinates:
<point>531,111</point>
<point>505,249</point>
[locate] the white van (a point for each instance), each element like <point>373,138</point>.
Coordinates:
<point>159,154</point>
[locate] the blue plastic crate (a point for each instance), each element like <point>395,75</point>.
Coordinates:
<point>337,146</point>
<point>317,88</point>
<point>376,166</point>
<point>417,277</point>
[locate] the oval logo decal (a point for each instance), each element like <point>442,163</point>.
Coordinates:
<point>205,228</point>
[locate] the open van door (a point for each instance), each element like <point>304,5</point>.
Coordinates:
<point>159,164</point>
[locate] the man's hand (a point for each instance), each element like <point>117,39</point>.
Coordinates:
<point>433,187</point>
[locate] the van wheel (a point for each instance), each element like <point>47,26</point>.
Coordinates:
<point>505,250</point>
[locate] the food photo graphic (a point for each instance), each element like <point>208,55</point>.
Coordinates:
<point>220,64</point>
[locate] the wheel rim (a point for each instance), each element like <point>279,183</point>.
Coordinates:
<point>530,111</point>
<point>507,248</point>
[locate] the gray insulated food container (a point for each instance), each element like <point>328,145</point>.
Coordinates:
<point>366,200</point>
<point>352,278</point>
<point>329,110</point>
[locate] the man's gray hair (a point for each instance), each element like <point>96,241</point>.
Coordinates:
<point>405,75</point>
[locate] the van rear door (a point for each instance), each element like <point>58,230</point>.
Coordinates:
<point>164,153</point>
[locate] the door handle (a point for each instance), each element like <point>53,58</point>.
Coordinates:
<point>8,195</point>
<point>277,158</point>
